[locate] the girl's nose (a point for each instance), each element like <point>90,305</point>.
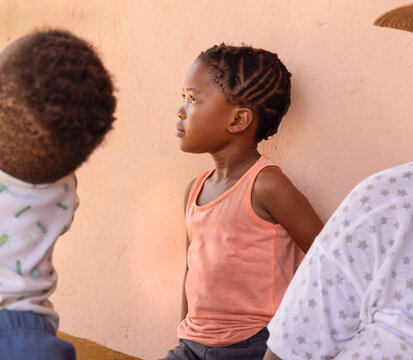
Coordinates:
<point>181,112</point>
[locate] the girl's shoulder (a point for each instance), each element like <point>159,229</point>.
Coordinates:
<point>271,180</point>
<point>187,191</point>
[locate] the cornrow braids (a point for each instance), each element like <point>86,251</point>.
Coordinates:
<point>251,77</point>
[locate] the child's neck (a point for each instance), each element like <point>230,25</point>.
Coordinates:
<point>228,165</point>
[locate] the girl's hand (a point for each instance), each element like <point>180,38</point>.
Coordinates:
<point>270,356</point>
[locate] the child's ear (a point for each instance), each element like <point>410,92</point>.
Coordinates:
<point>243,118</point>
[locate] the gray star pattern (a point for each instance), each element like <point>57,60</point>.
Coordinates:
<point>361,263</point>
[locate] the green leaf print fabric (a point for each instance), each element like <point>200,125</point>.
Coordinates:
<point>32,217</point>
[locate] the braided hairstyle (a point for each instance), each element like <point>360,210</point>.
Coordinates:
<point>56,105</point>
<point>251,77</point>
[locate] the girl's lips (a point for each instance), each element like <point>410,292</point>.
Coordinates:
<point>179,133</point>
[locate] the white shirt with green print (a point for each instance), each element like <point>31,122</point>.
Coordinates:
<point>32,217</point>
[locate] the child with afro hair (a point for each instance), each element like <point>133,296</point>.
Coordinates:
<point>56,105</point>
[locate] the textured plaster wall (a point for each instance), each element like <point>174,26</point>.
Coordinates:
<point>121,264</point>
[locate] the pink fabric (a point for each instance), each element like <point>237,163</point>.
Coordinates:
<point>239,265</point>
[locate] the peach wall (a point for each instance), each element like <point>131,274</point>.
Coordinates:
<point>121,264</point>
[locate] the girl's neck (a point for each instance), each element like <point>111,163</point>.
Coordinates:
<point>228,165</point>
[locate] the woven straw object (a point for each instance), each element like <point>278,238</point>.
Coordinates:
<point>400,18</point>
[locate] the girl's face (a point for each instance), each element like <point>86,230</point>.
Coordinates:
<point>205,114</point>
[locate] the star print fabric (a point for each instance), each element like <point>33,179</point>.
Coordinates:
<point>352,297</point>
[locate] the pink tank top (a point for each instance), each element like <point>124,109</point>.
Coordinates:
<point>239,265</point>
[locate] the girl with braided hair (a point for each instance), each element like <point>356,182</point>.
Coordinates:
<point>243,215</point>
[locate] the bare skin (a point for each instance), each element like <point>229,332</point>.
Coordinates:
<point>184,305</point>
<point>228,136</point>
<point>270,356</point>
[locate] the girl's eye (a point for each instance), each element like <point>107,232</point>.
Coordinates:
<point>190,98</point>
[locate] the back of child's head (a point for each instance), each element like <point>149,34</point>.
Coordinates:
<point>251,77</point>
<point>56,105</point>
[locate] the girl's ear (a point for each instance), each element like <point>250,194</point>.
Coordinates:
<point>242,119</point>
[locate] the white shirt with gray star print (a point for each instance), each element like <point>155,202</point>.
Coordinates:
<point>32,217</point>
<point>352,297</point>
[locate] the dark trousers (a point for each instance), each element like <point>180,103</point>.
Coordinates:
<point>251,349</point>
<point>28,336</point>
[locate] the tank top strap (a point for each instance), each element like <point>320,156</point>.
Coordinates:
<point>262,163</point>
<point>244,184</point>
<point>196,187</point>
